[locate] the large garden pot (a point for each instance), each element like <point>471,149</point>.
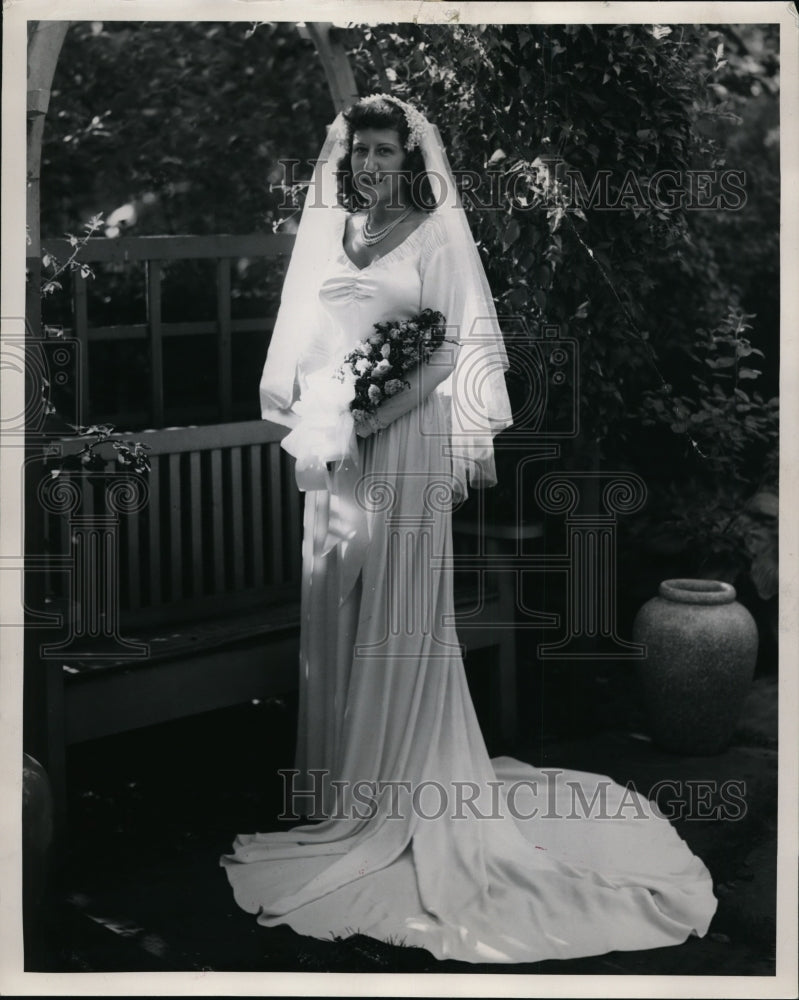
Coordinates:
<point>701,647</point>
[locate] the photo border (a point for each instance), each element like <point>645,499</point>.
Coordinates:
<point>13,980</point>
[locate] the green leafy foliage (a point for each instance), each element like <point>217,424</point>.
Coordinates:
<point>622,224</point>
<point>180,124</point>
<point>53,269</point>
<point>129,454</point>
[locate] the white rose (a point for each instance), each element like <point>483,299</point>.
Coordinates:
<point>382,367</point>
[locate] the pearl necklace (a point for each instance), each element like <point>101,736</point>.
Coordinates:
<point>371,238</point>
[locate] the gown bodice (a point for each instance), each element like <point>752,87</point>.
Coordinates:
<point>353,299</point>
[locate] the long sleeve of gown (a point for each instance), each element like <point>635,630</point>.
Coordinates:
<point>441,292</point>
<point>292,364</point>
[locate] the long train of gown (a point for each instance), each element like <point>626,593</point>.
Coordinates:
<point>448,861</point>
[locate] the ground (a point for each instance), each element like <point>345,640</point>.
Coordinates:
<point>137,885</point>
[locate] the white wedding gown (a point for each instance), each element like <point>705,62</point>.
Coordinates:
<point>383,697</point>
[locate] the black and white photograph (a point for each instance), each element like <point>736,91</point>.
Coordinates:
<point>398,406</point>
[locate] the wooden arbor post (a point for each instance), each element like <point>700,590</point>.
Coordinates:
<point>45,39</point>
<point>338,72</point>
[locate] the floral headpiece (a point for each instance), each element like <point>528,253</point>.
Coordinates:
<point>416,121</point>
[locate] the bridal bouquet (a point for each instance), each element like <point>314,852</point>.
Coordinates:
<point>332,401</point>
<point>376,365</point>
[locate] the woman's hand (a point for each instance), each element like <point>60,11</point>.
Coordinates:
<point>363,430</point>
<point>367,424</point>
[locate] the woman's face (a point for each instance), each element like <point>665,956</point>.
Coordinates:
<point>376,160</point>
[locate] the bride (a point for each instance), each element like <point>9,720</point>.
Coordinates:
<point>413,834</point>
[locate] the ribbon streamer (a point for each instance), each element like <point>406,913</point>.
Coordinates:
<point>325,446</point>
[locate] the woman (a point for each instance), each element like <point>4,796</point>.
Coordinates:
<point>422,838</point>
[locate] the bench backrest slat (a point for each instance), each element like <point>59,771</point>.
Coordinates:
<point>175,539</point>
<point>255,494</point>
<point>277,519</point>
<point>154,534</point>
<point>193,513</point>
<point>217,521</point>
<point>237,518</point>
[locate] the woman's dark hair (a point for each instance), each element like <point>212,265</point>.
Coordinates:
<point>382,115</point>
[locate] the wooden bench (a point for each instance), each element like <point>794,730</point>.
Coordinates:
<point>209,573</point>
